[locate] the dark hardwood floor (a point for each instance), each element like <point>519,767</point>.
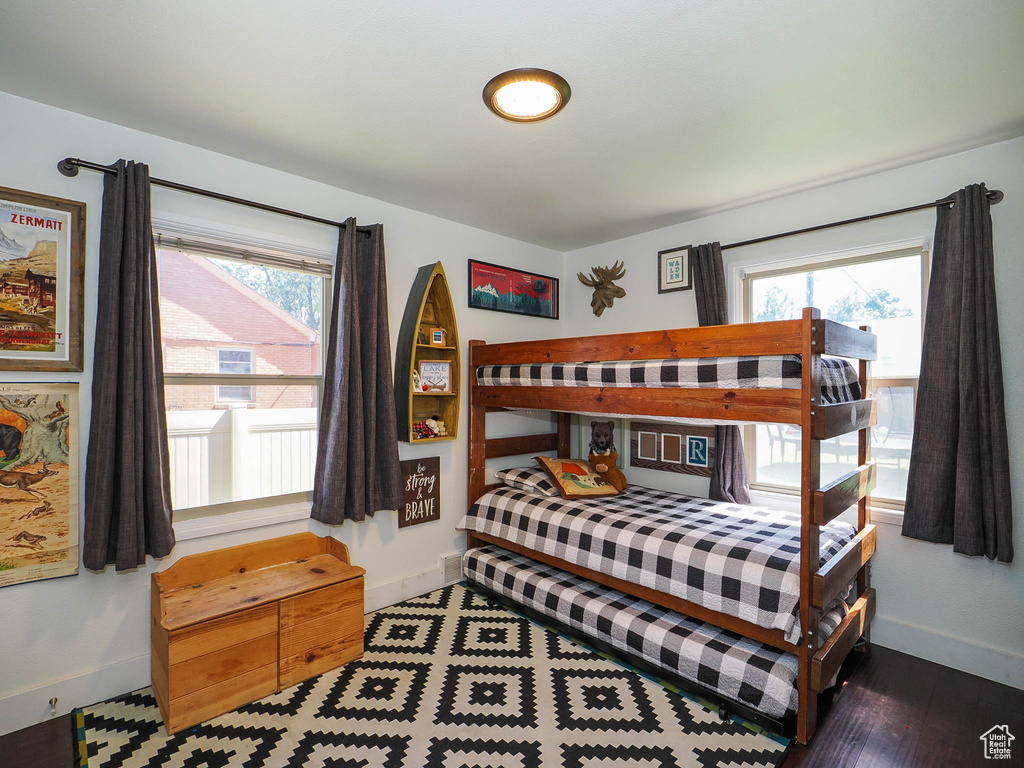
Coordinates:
<point>50,744</point>
<point>896,710</point>
<point>891,710</point>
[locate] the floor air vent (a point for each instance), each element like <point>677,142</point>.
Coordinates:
<point>451,569</point>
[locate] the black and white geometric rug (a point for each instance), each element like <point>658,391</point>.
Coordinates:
<point>447,681</point>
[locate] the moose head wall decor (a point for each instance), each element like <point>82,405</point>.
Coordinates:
<point>605,291</point>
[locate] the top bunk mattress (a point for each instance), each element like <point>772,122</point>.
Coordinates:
<point>839,378</point>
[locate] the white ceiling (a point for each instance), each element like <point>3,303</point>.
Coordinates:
<point>678,108</point>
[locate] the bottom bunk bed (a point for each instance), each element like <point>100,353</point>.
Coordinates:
<point>707,566</point>
<point>748,678</point>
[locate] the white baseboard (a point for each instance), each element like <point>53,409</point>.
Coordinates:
<point>383,595</point>
<point>991,663</point>
<point>25,708</point>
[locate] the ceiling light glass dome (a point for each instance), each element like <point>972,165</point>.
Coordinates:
<point>526,95</point>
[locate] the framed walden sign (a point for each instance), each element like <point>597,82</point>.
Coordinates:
<point>421,481</point>
<point>42,240</point>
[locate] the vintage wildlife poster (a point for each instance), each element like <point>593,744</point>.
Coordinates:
<point>40,282</point>
<point>38,481</point>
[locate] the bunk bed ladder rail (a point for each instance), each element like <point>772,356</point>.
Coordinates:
<point>819,505</point>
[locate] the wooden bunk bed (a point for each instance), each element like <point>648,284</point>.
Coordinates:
<point>810,337</point>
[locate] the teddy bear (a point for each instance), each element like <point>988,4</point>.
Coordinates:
<point>603,455</point>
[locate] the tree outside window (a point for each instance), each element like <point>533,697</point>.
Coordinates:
<point>884,291</point>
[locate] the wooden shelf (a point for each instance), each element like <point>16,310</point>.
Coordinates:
<point>430,304</point>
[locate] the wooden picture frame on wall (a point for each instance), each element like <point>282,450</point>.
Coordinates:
<point>42,260</point>
<point>668,447</point>
<point>675,269</point>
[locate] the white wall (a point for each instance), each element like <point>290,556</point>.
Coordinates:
<point>86,637</point>
<point>963,612</point>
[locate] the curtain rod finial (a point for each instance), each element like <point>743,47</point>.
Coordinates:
<point>995,196</point>
<point>68,166</point>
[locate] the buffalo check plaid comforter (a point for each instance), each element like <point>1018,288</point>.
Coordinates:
<point>736,559</point>
<point>839,381</point>
<point>736,667</point>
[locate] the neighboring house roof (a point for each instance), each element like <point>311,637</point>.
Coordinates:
<point>193,291</point>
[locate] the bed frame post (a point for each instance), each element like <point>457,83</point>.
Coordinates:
<point>864,504</point>
<point>565,435</point>
<point>477,440</point>
<point>813,343</point>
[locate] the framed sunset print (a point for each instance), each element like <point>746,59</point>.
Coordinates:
<point>504,289</point>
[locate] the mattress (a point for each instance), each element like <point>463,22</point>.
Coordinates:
<point>839,378</point>
<point>738,668</point>
<point>736,559</point>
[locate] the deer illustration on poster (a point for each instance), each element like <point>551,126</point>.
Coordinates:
<point>38,481</point>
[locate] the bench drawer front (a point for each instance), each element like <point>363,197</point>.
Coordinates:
<point>199,706</point>
<point>220,665</point>
<point>217,666</point>
<point>210,636</point>
<point>321,630</point>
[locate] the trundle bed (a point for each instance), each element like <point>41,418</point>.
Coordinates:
<point>750,604</point>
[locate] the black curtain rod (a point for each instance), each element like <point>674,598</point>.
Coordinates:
<point>69,166</point>
<point>994,196</point>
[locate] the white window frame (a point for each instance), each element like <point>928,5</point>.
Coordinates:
<point>214,519</point>
<point>743,279</point>
<point>218,396</point>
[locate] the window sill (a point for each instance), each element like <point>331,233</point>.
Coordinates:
<point>886,515</point>
<point>791,503</point>
<point>213,525</point>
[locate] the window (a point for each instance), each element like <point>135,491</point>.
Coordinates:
<point>884,291</point>
<point>234,361</point>
<point>243,371</point>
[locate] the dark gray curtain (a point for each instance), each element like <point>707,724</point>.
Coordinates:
<point>729,475</point>
<point>958,491</point>
<point>357,468</point>
<point>127,476</point>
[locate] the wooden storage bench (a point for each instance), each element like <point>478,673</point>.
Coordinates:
<point>232,626</point>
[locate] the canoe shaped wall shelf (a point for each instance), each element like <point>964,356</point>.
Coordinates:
<point>427,363</point>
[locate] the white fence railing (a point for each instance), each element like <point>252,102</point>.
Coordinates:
<point>240,453</point>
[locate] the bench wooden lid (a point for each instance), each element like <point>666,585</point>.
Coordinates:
<point>209,585</point>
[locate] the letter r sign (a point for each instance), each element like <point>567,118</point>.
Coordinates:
<point>696,451</point>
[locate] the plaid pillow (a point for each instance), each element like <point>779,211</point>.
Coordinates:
<point>575,478</point>
<point>530,479</point>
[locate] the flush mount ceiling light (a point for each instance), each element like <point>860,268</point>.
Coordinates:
<point>526,95</point>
